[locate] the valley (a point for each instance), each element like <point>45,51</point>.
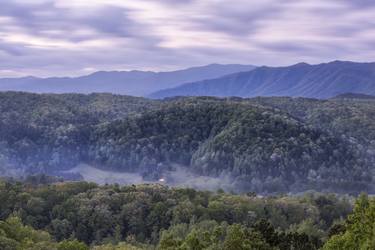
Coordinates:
<point>264,145</point>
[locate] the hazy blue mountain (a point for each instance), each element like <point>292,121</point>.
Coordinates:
<point>354,96</point>
<point>136,83</point>
<point>319,81</point>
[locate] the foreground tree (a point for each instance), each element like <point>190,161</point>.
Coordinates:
<point>360,228</point>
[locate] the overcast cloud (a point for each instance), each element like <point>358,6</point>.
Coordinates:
<point>75,37</point>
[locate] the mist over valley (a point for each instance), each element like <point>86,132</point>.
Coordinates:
<point>264,144</point>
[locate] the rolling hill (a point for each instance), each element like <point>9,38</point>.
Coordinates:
<point>304,80</point>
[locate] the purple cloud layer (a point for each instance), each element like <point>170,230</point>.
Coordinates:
<point>70,37</point>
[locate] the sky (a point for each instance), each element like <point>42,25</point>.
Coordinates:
<point>77,37</point>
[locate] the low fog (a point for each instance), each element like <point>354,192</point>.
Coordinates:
<point>177,177</point>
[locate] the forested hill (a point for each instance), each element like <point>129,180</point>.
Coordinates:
<point>318,81</point>
<point>259,144</point>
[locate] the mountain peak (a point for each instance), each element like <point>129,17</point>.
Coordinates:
<point>301,64</point>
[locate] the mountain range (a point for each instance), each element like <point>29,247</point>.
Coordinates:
<point>322,81</point>
<point>304,80</point>
<point>136,83</point>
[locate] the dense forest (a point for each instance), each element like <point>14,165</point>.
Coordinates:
<point>41,213</point>
<point>263,145</point>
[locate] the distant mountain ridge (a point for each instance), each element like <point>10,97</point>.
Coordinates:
<point>136,83</point>
<point>354,96</point>
<point>304,80</point>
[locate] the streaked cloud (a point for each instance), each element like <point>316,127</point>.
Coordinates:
<point>70,37</point>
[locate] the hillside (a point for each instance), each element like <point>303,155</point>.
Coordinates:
<point>303,80</point>
<point>261,148</point>
<point>352,118</point>
<point>41,131</point>
<point>138,83</point>
<point>260,144</point>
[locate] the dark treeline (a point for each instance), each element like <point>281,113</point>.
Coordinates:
<point>78,215</point>
<point>264,144</point>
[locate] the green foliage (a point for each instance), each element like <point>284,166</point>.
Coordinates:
<point>71,245</point>
<point>211,235</point>
<point>14,235</point>
<point>360,228</point>
<point>120,246</point>
<point>157,215</point>
<point>150,216</point>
